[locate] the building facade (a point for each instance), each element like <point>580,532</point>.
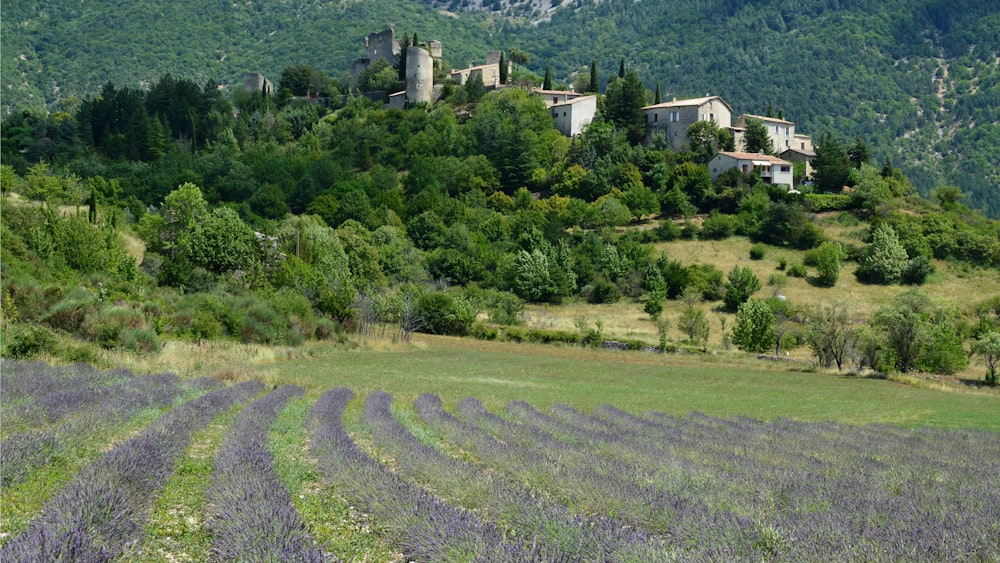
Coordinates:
<point>571,117</point>
<point>673,118</point>
<point>773,170</point>
<point>780,132</point>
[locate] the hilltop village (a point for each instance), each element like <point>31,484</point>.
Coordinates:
<point>573,111</point>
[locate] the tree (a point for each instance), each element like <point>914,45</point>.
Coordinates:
<point>223,243</point>
<point>623,103</point>
<point>531,275</point>
<point>621,68</point>
<point>832,165</point>
<point>832,334</point>
<point>706,140</point>
<point>884,259</point>
<point>858,153</point>
<point>595,83</point>
<point>987,347</point>
<point>753,330</point>
<point>901,325</point>
<point>503,68</point>
<point>755,137</point>
<point>828,257</point>
<point>92,208</point>
<point>404,44</point>
<point>657,98</point>
<point>692,321</point>
<point>547,81</point>
<point>741,285</point>
<point>519,57</point>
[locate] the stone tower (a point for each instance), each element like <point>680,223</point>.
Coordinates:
<point>419,75</point>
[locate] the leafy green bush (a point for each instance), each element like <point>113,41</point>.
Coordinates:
<point>483,331</point>
<point>798,271</point>
<point>23,341</point>
<point>445,313</point>
<point>69,313</point>
<point>602,291</point>
<point>884,260</point>
<point>326,329</point>
<point>718,226</point>
<point>262,325</point>
<point>827,259</point>
<point>917,270</point>
<point>742,284</point>
<point>757,251</point>
<point>819,203</point>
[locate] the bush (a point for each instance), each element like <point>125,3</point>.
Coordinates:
<point>106,326</point>
<point>782,263</point>
<point>262,325</point>
<point>484,331</point>
<point>69,313</point>
<point>602,291</point>
<point>668,230</point>
<point>742,284</point>
<point>141,341</point>
<point>798,271</point>
<point>718,226</point>
<point>27,341</point>
<point>827,258</point>
<point>917,270</point>
<point>819,203</point>
<point>757,251</point>
<point>326,329</point>
<point>444,313</point>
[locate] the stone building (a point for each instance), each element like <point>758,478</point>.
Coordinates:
<point>780,132</point>
<point>553,97</point>
<point>255,82</point>
<point>490,73</point>
<point>673,118</point>
<point>378,46</point>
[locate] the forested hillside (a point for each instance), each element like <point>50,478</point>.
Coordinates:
<point>919,80</point>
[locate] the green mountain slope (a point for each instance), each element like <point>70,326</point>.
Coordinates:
<point>919,80</point>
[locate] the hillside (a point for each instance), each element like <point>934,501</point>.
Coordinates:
<point>919,80</point>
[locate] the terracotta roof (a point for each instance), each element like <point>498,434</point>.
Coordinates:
<point>690,102</point>
<point>754,156</point>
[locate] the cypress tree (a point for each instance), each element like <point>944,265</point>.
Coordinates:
<point>657,99</point>
<point>621,68</point>
<point>503,68</point>
<point>547,82</point>
<point>92,203</point>
<point>595,83</point>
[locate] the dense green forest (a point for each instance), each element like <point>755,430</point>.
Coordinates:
<point>919,80</point>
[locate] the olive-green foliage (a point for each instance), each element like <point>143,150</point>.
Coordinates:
<point>753,330</point>
<point>223,243</point>
<point>757,251</point>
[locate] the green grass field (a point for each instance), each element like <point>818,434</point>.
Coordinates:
<point>725,385</point>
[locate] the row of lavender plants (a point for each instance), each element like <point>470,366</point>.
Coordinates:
<point>567,537</point>
<point>79,410</point>
<point>101,512</point>
<point>595,484</point>
<point>872,493</point>
<point>424,527</point>
<point>251,513</point>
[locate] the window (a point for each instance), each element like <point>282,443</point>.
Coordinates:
<point>656,117</point>
<point>784,169</point>
<point>555,100</point>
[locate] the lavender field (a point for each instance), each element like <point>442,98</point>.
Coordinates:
<point>468,483</point>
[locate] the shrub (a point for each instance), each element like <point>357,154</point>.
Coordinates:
<point>777,280</point>
<point>326,329</point>
<point>753,330</point>
<point>917,270</point>
<point>798,271</point>
<point>602,291</point>
<point>884,260</point>
<point>782,263</point>
<point>69,313</point>
<point>484,331</point>
<point>106,326</point>
<point>827,258</point>
<point>757,251</point>
<point>141,341</point>
<point>444,313</point>
<point>718,226</point>
<point>819,203</point>
<point>261,325</point>
<point>27,341</point>
<point>668,230</point>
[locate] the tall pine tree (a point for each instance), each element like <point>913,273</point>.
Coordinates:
<point>547,82</point>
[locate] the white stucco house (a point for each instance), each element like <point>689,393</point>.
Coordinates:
<point>572,116</point>
<point>773,170</point>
